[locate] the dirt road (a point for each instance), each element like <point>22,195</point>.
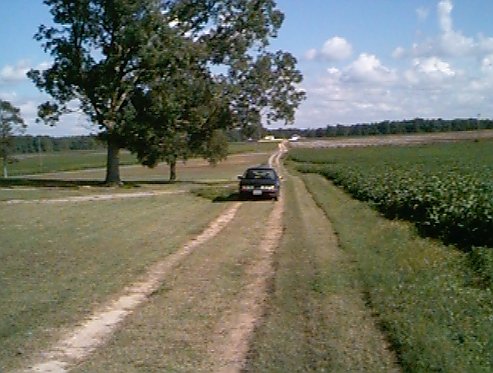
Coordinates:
<point>199,309</point>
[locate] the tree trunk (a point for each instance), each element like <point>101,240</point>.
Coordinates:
<point>172,170</point>
<point>5,173</point>
<point>113,163</point>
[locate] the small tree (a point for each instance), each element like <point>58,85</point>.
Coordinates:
<point>11,124</point>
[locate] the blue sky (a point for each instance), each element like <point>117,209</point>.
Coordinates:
<point>362,60</point>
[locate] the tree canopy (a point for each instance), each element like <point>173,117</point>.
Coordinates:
<point>161,77</point>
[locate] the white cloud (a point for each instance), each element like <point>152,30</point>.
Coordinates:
<point>368,68</point>
<point>434,66</point>
<point>449,42</point>
<point>445,8</point>
<point>398,52</point>
<point>11,74</point>
<point>334,49</point>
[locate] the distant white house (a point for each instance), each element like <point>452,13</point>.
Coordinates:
<point>269,138</point>
<point>294,138</point>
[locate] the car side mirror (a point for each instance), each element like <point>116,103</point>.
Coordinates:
<point>240,177</point>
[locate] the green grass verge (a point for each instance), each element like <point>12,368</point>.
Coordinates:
<point>317,320</point>
<point>251,147</point>
<point>437,315</point>
<point>57,261</point>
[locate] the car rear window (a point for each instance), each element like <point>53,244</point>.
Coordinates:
<point>260,174</point>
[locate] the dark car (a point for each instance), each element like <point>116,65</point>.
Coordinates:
<point>261,182</point>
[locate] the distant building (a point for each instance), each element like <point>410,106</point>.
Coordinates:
<point>294,138</point>
<point>269,138</point>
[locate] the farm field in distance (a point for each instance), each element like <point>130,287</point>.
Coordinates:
<point>347,287</point>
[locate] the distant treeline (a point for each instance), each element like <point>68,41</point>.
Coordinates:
<point>35,144</point>
<point>417,125</point>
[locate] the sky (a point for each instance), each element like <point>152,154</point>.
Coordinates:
<point>362,60</point>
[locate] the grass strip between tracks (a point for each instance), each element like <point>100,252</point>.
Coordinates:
<point>437,315</point>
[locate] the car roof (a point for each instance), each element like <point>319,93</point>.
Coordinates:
<point>261,167</point>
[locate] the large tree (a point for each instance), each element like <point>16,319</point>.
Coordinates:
<point>122,58</point>
<point>102,51</point>
<point>11,124</point>
<point>251,84</point>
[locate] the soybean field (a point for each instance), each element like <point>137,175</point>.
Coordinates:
<point>445,189</point>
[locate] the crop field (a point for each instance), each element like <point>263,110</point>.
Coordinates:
<point>433,297</point>
<point>446,189</point>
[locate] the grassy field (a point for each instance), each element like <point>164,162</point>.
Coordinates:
<point>174,331</point>
<point>28,164</point>
<point>60,259</point>
<point>358,293</point>
<point>53,162</point>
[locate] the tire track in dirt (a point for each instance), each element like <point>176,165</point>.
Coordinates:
<point>80,341</point>
<point>233,337</point>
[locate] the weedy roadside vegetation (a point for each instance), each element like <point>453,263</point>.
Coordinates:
<point>434,301</point>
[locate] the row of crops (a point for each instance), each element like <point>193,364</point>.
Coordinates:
<point>445,189</point>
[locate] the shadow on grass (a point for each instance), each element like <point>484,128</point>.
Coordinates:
<point>228,198</point>
<point>233,197</point>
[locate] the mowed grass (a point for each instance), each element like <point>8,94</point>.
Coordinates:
<point>42,163</point>
<point>193,174</point>
<point>180,328</point>
<point>63,161</point>
<point>426,295</point>
<point>57,261</point>
<point>316,319</point>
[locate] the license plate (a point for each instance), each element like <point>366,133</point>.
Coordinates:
<point>257,192</point>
